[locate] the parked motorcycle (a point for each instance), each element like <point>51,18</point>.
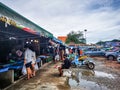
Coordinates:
<point>86,62</point>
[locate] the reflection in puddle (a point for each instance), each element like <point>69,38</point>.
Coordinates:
<point>103,74</point>
<point>78,79</point>
<point>85,85</point>
<point>88,73</point>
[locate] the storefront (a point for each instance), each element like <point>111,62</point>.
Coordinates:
<point>15,32</point>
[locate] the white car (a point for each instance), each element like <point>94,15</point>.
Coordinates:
<point>118,58</point>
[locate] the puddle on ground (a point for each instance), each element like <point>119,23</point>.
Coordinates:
<point>85,85</point>
<point>97,74</point>
<point>78,79</point>
<point>103,74</point>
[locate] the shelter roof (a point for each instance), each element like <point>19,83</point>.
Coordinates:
<point>19,19</point>
<point>12,32</point>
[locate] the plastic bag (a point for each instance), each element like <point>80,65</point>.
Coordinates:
<point>24,72</point>
<point>36,66</point>
<point>57,57</point>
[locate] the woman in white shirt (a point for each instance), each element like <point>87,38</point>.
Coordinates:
<point>28,60</point>
<point>33,63</point>
<point>33,60</point>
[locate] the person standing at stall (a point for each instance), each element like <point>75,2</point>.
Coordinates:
<point>80,52</point>
<point>28,60</point>
<point>33,61</point>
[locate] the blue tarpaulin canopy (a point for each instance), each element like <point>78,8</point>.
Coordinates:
<point>57,40</point>
<point>4,69</point>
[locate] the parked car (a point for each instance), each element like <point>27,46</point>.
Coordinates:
<point>94,52</point>
<point>118,58</point>
<point>112,55</point>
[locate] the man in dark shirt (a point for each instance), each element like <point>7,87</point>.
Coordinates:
<point>65,65</point>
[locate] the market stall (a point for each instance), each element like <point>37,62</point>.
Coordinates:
<point>12,41</point>
<point>15,32</point>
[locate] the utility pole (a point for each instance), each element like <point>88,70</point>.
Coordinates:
<point>85,36</point>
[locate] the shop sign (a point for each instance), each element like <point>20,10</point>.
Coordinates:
<point>7,20</point>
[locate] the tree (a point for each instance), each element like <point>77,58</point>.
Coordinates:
<point>76,37</point>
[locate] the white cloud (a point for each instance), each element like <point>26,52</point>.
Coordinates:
<point>62,16</point>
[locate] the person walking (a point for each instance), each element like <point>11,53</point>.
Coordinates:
<point>28,60</point>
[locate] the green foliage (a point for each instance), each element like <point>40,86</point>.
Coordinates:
<point>75,37</point>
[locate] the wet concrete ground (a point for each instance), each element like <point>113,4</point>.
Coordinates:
<point>103,77</point>
<point>47,78</point>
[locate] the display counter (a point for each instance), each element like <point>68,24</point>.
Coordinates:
<point>11,71</point>
<point>5,69</point>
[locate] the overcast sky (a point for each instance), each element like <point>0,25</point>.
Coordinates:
<point>101,18</point>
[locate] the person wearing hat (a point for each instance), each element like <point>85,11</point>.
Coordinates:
<point>66,65</point>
